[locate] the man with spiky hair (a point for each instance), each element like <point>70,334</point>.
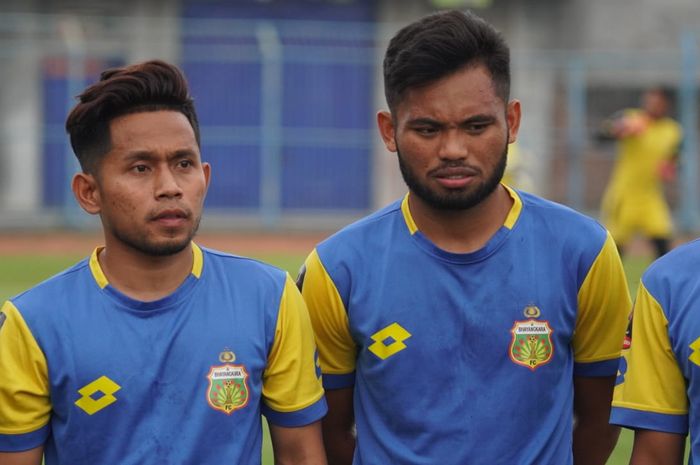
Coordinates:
<point>153,349</point>
<point>467,323</point>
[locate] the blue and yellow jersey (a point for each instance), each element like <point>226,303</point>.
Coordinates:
<point>467,358</point>
<point>101,378</point>
<point>659,381</point>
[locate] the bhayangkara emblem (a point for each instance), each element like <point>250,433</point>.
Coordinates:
<point>227,356</point>
<point>228,388</point>
<point>532,343</point>
<point>531,311</point>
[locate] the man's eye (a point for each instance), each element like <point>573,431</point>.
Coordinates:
<point>477,127</point>
<point>140,168</point>
<point>426,131</point>
<point>185,163</point>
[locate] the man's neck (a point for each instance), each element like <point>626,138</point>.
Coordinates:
<point>143,277</point>
<point>462,231</point>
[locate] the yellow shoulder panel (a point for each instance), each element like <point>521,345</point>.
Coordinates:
<point>25,405</point>
<point>290,382</point>
<point>652,381</point>
<point>604,305</point>
<point>337,350</point>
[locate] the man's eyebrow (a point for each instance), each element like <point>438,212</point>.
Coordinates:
<point>480,118</point>
<point>138,155</point>
<point>145,155</point>
<point>424,121</point>
<point>182,153</point>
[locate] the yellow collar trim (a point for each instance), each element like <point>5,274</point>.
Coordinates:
<point>197,261</point>
<point>97,269</point>
<point>407,216</point>
<point>197,265</point>
<point>515,210</point>
<point>512,217</point>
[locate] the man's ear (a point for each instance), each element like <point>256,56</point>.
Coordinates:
<point>87,194</point>
<point>387,130</point>
<point>513,114</point>
<point>206,168</point>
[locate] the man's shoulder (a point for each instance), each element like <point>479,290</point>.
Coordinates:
<point>366,227</point>
<point>549,212</point>
<point>564,229</point>
<point>55,294</point>
<point>675,269</point>
<point>671,281</point>
<point>361,243</point>
<point>237,267</point>
<point>71,280</point>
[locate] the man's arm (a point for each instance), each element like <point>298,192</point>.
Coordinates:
<point>657,448</point>
<point>296,446</point>
<point>594,436</point>
<point>27,457</point>
<point>338,426</point>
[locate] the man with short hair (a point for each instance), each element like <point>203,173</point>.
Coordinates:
<point>153,349</point>
<point>468,323</point>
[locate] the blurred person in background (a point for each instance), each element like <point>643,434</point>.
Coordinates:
<point>648,143</point>
<point>153,349</point>
<point>467,323</point>
<point>517,174</point>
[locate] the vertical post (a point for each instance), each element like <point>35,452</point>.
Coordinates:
<point>576,130</point>
<point>688,211</point>
<point>72,35</point>
<point>271,127</point>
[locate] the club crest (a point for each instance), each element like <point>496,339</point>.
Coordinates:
<point>228,387</point>
<point>531,345</point>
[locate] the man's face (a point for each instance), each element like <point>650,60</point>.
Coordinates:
<point>150,187</point>
<point>655,104</point>
<point>451,138</point>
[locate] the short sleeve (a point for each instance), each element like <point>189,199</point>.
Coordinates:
<point>651,390</point>
<point>292,391</point>
<point>25,406</point>
<point>337,350</point>
<point>604,306</point>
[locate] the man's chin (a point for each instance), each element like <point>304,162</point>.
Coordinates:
<point>164,247</point>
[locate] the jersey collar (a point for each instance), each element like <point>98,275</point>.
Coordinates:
<point>509,222</point>
<point>101,279</point>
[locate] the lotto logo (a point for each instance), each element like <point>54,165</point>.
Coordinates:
<point>389,341</point>
<point>92,405</point>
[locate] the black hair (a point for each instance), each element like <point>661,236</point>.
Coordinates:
<point>441,44</point>
<point>149,86</point>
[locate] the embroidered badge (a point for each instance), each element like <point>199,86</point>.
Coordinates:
<point>228,385</point>
<point>227,356</point>
<point>531,345</point>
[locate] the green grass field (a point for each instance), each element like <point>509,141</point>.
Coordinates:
<point>20,272</point>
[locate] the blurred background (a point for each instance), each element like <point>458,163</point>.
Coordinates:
<point>287,92</point>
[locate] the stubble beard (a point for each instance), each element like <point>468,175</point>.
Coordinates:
<point>146,246</point>
<point>457,199</point>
